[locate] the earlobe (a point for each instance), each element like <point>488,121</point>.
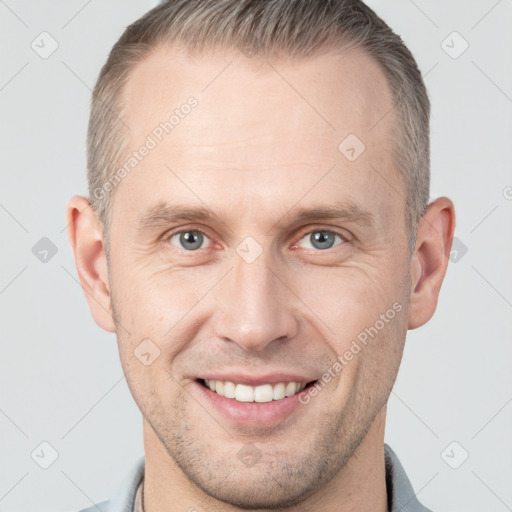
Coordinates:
<point>86,238</point>
<point>429,263</point>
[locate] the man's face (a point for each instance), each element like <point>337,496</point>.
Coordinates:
<point>256,294</point>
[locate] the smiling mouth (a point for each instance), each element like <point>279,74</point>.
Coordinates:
<point>260,394</point>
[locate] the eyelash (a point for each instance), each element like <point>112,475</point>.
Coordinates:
<point>166,237</point>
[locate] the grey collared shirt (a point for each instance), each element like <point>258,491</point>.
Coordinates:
<point>401,497</point>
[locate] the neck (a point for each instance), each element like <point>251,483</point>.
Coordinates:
<point>358,486</point>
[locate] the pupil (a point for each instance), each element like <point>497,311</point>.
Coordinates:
<point>192,238</point>
<point>324,241</point>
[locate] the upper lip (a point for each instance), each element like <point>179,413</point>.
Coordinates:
<point>256,380</point>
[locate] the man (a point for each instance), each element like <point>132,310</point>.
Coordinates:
<point>260,240</point>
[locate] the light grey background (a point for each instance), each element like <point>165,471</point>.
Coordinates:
<point>61,380</point>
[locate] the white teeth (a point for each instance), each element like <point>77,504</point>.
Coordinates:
<point>244,393</point>
<point>229,390</point>
<point>279,391</point>
<point>263,393</point>
<point>291,388</point>
<point>260,394</point>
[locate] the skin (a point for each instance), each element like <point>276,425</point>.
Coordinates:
<point>252,151</point>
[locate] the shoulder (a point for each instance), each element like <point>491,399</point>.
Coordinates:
<point>124,497</point>
<point>401,495</point>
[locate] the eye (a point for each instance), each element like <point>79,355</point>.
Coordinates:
<point>190,239</point>
<point>321,239</point>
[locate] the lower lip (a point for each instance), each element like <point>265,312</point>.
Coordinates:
<point>252,413</point>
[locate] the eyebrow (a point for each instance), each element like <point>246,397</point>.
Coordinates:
<point>348,211</point>
<point>163,214</point>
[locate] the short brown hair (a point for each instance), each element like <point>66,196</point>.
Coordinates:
<point>296,28</point>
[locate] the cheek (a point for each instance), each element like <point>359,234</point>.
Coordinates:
<point>150,384</point>
<point>349,299</point>
<point>365,313</point>
<point>154,299</point>
<point>161,312</point>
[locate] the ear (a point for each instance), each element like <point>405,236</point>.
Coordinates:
<point>86,238</point>
<point>429,262</point>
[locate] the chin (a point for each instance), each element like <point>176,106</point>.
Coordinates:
<point>263,491</point>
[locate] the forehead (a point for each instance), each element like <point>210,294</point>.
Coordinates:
<point>335,91</point>
<point>262,124</point>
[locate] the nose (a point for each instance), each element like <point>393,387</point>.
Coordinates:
<point>256,307</point>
